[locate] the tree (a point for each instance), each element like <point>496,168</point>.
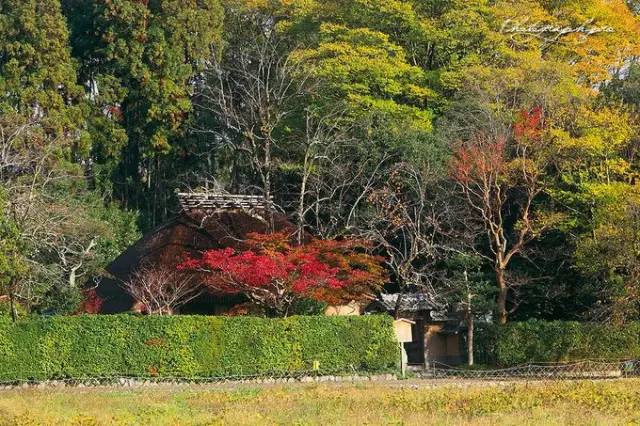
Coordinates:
<point>140,60</point>
<point>274,274</point>
<point>594,185</point>
<point>37,73</point>
<point>352,97</point>
<point>323,137</point>
<point>610,254</point>
<point>61,231</point>
<point>410,224</point>
<point>251,90</point>
<point>625,87</point>
<point>500,176</point>
<point>51,234</point>
<point>12,263</point>
<point>466,290</point>
<point>78,233</point>
<point>385,105</point>
<point>603,198</point>
<point>372,74</point>
<point>162,290</point>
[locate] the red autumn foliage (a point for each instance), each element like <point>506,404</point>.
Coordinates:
<point>528,126</point>
<point>92,302</point>
<point>115,112</point>
<point>274,273</point>
<point>481,158</point>
<point>486,157</point>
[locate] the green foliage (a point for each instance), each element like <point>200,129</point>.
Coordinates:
<point>58,298</point>
<point>5,309</point>
<point>610,253</point>
<point>37,74</point>
<point>84,234</point>
<point>192,346</point>
<point>308,307</point>
<point>12,264</point>
<point>555,341</point>
<point>139,60</point>
<point>626,87</point>
<point>65,238</point>
<point>154,49</point>
<point>371,73</point>
<point>468,286</point>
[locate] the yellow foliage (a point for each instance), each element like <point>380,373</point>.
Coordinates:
<point>592,55</point>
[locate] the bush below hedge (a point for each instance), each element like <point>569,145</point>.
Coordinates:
<point>555,341</point>
<point>192,346</point>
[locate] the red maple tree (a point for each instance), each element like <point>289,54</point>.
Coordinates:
<point>273,272</point>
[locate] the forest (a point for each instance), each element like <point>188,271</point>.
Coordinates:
<point>487,150</point>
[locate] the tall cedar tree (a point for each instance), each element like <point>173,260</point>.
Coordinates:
<point>140,60</point>
<point>37,74</point>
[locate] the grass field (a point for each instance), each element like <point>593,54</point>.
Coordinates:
<point>406,402</point>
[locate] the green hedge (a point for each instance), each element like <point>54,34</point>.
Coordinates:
<point>192,346</point>
<point>555,341</point>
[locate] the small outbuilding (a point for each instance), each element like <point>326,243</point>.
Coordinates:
<point>437,334</point>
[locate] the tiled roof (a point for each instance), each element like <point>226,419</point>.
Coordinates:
<point>409,302</point>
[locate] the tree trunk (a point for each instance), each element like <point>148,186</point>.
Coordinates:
<point>396,311</point>
<point>303,190</point>
<point>72,277</point>
<point>502,295</point>
<point>267,183</point>
<point>469,339</point>
<point>12,302</point>
<point>469,318</point>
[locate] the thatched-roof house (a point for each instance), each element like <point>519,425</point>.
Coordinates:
<point>206,221</point>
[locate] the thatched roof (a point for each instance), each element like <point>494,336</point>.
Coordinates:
<point>193,232</point>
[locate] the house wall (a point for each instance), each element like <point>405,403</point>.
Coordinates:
<point>444,348</point>
<point>343,310</point>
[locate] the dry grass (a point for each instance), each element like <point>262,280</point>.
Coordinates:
<point>571,403</point>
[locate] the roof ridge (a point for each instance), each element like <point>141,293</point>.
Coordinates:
<point>221,201</point>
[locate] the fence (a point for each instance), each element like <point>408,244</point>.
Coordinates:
<point>587,369</point>
<point>282,374</point>
<point>582,370</point>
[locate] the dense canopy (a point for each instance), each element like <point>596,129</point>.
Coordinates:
<point>491,140</point>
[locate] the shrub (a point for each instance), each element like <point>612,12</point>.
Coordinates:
<point>5,308</point>
<point>555,341</point>
<point>191,346</point>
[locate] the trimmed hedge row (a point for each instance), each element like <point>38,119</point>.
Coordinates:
<point>555,341</point>
<point>192,346</point>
